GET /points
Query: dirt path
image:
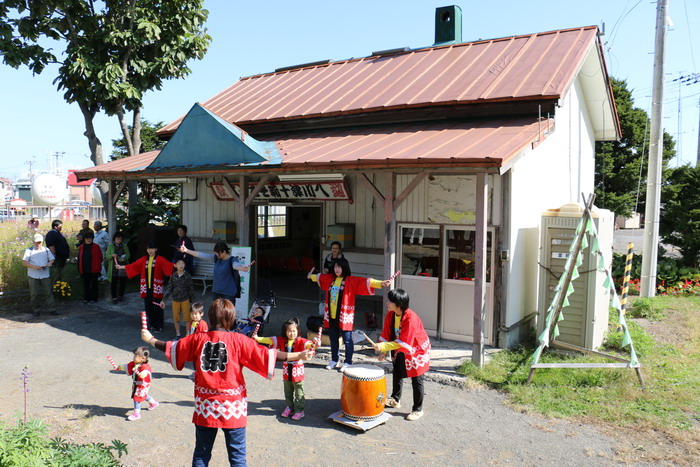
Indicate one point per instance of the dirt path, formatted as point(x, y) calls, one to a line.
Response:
point(74, 391)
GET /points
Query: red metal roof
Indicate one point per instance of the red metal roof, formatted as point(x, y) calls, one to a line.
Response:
point(119, 167)
point(474, 144)
point(490, 143)
point(73, 180)
point(540, 65)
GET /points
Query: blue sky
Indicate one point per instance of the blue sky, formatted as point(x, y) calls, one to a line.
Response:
point(249, 38)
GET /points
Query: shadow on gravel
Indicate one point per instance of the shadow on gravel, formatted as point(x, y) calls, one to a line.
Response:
point(95, 410)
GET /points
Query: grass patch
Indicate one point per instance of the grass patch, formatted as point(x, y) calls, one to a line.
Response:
point(671, 372)
point(644, 307)
point(28, 444)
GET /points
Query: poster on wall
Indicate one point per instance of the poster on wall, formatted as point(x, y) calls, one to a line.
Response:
point(244, 255)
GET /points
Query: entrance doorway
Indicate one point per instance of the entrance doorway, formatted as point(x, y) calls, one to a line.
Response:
point(287, 245)
point(437, 271)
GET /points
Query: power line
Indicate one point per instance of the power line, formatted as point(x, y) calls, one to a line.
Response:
point(690, 38)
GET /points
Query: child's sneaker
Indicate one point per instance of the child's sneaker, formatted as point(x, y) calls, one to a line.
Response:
point(298, 416)
point(345, 366)
point(135, 415)
point(153, 405)
point(285, 413)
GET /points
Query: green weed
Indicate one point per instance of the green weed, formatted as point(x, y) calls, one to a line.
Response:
point(612, 395)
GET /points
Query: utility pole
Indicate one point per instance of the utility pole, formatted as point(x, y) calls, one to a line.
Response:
point(30, 164)
point(697, 159)
point(653, 201)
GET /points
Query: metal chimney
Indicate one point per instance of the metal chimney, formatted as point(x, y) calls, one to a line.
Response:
point(448, 25)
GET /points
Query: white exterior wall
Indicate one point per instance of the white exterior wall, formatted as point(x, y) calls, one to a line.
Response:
point(555, 173)
point(199, 215)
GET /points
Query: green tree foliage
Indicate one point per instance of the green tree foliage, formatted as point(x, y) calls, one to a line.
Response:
point(149, 140)
point(618, 185)
point(114, 51)
point(680, 212)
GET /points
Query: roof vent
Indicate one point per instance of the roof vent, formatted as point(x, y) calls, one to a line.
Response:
point(303, 65)
point(448, 25)
point(384, 53)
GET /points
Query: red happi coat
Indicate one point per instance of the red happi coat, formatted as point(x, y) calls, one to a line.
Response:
point(139, 391)
point(161, 268)
point(413, 340)
point(352, 286)
point(200, 326)
point(220, 396)
point(300, 344)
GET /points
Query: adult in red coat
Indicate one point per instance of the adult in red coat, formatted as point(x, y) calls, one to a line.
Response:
point(152, 269)
point(404, 336)
point(89, 267)
point(220, 395)
point(339, 313)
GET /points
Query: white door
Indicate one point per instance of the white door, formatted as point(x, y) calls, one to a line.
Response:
point(458, 286)
point(419, 263)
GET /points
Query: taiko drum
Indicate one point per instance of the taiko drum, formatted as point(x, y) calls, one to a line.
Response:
point(363, 392)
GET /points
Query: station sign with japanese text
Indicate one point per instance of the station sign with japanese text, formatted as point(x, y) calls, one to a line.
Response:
point(316, 190)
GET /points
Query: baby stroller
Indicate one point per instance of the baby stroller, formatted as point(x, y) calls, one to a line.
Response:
point(255, 317)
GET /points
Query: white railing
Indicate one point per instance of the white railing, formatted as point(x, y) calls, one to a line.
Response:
point(47, 213)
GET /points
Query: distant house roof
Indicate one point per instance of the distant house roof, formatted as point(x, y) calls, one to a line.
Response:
point(73, 180)
point(511, 69)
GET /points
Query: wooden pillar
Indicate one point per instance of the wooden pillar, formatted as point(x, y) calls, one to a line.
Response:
point(110, 207)
point(480, 268)
point(243, 212)
point(389, 229)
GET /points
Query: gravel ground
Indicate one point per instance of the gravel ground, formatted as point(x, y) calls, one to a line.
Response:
point(74, 390)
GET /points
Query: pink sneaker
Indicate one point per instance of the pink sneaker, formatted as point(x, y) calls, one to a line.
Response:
point(135, 415)
point(153, 405)
point(298, 416)
point(285, 413)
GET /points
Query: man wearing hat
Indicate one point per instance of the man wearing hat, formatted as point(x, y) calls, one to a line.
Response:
point(38, 259)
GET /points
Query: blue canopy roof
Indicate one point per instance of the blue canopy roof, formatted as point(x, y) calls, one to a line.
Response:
point(205, 139)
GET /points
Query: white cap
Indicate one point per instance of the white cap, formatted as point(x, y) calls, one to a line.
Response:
point(38, 238)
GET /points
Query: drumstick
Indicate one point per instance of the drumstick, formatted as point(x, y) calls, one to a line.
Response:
point(394, 276)
point(318, 339)
point(255, 331)
point(368, 339)
point(114, 365)
point(251, 263)
point(313, 268)
point(144, 322)
point(158, 305)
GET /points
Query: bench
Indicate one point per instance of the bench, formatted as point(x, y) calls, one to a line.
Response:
point(203, 271)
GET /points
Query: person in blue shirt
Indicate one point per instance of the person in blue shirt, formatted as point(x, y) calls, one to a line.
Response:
point(227, 280)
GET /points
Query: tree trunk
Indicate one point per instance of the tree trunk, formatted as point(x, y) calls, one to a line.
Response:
point(133, 145)
point(89, 111)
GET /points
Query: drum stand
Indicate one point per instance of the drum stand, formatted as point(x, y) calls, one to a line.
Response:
point(362, 425)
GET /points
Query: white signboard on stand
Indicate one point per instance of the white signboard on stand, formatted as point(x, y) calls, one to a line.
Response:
point(244, 255)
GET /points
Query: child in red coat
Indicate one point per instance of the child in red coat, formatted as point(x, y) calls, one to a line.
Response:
point(140, 371)
point(289, 341)
point(89, 267)
point(405, 338)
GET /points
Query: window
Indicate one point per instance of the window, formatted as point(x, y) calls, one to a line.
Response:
point(272, 221)
point(420, 251)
